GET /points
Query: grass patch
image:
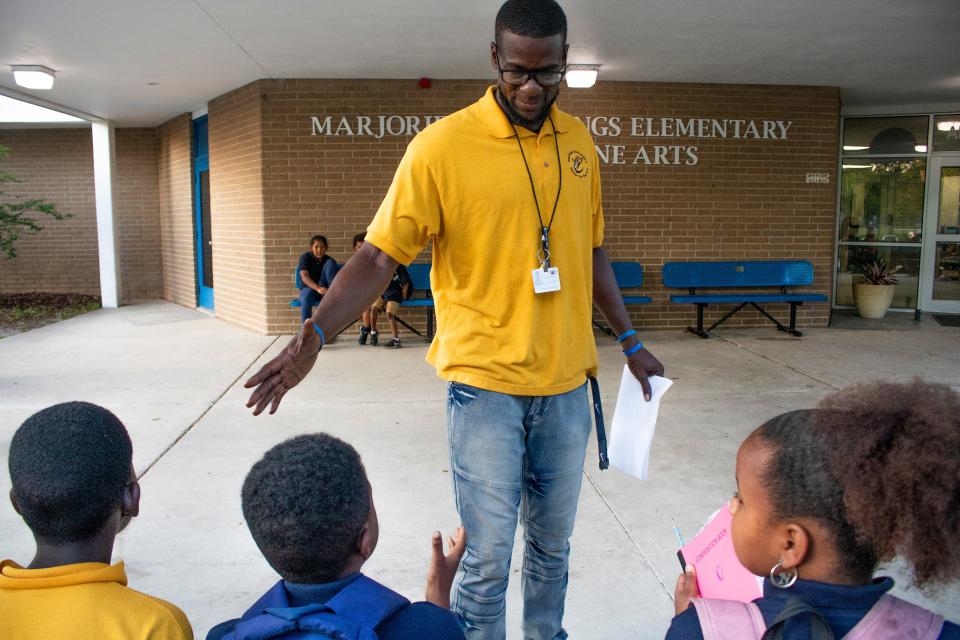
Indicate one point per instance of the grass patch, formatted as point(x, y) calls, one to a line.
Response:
point(21, 312)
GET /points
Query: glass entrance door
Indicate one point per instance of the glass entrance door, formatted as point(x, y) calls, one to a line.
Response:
point(941, 238)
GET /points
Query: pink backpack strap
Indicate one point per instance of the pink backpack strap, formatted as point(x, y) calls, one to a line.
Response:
point(721, 619)
point(892, 618)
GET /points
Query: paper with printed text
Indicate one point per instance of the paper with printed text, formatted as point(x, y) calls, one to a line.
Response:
point(634, 423)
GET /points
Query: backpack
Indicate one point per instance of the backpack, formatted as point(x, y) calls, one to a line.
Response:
point(352, 614)
point(889, 619)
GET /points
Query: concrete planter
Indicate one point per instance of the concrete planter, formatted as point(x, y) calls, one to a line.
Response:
point(872, 300)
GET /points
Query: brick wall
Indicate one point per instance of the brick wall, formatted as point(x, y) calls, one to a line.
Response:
point(138, 222)
point(240, 243)
point(273, 185)
point(332, 185)
point(744, 199)
point(57, 165)
point(175, 180)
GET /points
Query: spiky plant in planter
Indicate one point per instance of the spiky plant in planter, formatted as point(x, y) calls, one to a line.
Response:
point(874, 292)
point(879, 272)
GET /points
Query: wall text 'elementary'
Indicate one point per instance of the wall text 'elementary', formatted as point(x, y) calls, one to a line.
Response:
point(603, 127)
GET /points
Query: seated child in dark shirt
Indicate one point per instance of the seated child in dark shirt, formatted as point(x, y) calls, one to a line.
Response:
point(315, 273)
point(824, 496)
point(309, 507)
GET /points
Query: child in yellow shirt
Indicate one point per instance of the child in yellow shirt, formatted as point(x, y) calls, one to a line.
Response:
point(71, 466)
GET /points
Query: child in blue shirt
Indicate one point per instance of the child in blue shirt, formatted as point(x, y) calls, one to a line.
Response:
point(824, 496)
point(309, 507)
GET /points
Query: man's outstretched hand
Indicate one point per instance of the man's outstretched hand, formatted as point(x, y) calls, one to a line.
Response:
point(643, 364)
point(285, 371)
point(443, 567)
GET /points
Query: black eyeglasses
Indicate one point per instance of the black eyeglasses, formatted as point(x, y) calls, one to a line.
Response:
point(520, 77)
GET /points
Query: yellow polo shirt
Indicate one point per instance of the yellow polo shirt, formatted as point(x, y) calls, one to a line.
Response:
point(87, 601)
point(463, 185)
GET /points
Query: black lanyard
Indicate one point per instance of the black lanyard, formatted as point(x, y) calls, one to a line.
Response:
point(598, 420)
point(544, 230)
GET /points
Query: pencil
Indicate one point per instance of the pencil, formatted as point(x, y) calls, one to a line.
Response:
point(676, 530)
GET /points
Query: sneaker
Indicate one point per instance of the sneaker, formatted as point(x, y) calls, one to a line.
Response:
point(374, 338)
point(364, 332)
point(393, 344)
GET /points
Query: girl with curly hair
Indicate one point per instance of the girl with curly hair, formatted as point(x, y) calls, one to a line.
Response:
point(823, 497)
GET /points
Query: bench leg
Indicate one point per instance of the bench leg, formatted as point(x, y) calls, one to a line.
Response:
point(793, 319)
point(401, 321)
point(699, 330)
point(429, 325)
point(606, 330)
point(725, 318)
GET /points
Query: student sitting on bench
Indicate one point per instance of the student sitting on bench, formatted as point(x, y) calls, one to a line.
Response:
point(317, 271)
point(397, 291)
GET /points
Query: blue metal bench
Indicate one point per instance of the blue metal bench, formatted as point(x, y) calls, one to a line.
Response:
point(629, 275)
point(421, 282)
point(781, 274)
point(298, 283)
point(420, 279)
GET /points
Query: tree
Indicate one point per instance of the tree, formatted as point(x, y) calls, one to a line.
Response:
point(15, 218)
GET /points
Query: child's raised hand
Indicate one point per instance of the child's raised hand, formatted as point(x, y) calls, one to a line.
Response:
point(443, 568)
point(686, 589)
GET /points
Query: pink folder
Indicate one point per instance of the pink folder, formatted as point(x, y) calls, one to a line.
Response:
point(719, 573)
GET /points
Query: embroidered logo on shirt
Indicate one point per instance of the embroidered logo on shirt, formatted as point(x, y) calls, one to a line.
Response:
point(578, 164)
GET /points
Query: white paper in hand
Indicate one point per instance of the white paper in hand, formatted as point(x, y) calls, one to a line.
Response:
point(634, 422)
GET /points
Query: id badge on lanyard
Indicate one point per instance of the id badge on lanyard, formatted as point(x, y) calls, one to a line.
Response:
point(546, 279)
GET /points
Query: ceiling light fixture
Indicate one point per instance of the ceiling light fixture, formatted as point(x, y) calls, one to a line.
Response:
point(947, 125)
point(582, 76)
point(920, 148)
point(853, 147)
point(33, 76)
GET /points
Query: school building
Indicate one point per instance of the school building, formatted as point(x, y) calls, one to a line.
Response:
point(784, 132)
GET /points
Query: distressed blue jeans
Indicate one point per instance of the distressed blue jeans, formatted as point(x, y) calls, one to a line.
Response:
point(515, 455)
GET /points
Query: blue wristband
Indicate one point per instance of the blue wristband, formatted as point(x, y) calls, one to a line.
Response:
point(632, 350)
point(323, 338)
point(626, 334)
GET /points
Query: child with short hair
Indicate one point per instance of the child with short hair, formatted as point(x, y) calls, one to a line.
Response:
point(310, 510)
point(824, 496)
point(398, 290)
point(71, 466)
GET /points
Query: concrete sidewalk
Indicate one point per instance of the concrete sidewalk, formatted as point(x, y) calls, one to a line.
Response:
point(175, 378)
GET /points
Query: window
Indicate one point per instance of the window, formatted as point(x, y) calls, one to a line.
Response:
point(946, 133)
point(885, 136)
point(881, 201)
point(851, 260)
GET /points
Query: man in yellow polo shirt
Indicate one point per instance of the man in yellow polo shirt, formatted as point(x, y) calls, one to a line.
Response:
point(508, 191)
